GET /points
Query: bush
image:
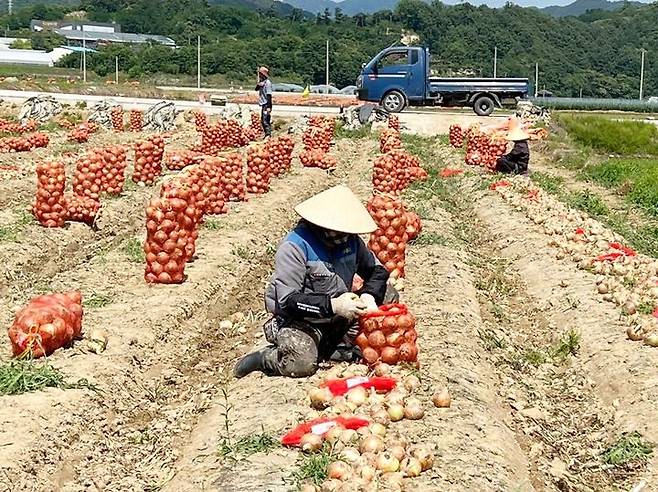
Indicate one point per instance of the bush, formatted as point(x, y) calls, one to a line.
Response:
point(610, 136)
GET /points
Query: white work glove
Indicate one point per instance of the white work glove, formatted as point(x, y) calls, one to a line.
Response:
point(348, 306)
point(369, 301)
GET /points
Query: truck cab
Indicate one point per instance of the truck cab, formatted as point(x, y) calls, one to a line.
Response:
point(400, 76)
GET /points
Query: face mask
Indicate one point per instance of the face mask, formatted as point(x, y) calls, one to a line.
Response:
point(335, 238)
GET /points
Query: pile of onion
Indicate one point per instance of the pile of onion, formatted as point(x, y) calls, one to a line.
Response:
point(200, 120)
point(79, 135)
point(14, 144)
point(394, 122)
point(89, 172)
point(456, 136)
point(258, 169)
point(114, 169)
point(317, 138)
point(166, 242)
point(82, 209)
point(180, 159)
point(414, 226)
point(38, 140)
point(389, 140)
point(280, 152)
point(189, 219)
point(49, 206)
point(326, 122)
point(256, 124)
point(206, 184)
point(317, 158)
point(389, 241)
point(116, 116)
point(385, 175)
point(223, 135)
point(148, 160)
point(234, 188)
point(136, 120)
point(8, 126)
point(249, 135)
point(483, 150)
point(388, 338)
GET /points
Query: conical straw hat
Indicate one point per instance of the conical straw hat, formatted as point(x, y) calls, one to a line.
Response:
point(337, 209)
point(517, 134)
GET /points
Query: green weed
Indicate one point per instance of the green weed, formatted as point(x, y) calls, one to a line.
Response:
point(430, 238)
point(248, 445)
point(588, 202)
point(646, 308)
point(213, 224)
point(611, 136)
point(490, 340)
point(567, 346)
point(535, 357)
point(313, 467)
point(365, 131)
point(548, 182)
point(134, 249)
point(241, 252)
point(25, 376)
point(628, 449)
point(95, 300)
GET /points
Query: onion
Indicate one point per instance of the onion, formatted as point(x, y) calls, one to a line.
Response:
point(350, 455)
point(339, 470)
point(635, 333)
point(398, 451)
point(333, 434)
point(424, 456)
point(348, 436)
point(366, 472)
point(311, 443)
point(357, 396)
point(320, 398)
point(412, 383)
point(393, 479)
point(411, 467)
point(441, 399)
point(380, 417)
point(371, 444)
point(331, 485)
point(387, 463)
point(413, 410)
point(377, 429)
point(396, 396)
point(308, 487)
point(382, 369)
point(652, 340)
point(395, 412)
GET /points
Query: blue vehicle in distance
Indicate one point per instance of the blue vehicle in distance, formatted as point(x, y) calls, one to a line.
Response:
point(400, 76)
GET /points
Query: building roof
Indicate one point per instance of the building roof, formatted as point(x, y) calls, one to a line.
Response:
point(32, 57)
point(74, 22)
point(115, 37)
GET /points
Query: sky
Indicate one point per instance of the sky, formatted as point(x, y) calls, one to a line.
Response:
point(523, 3)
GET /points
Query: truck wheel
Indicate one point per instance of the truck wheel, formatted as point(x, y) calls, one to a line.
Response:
point(483, 106)
point(394, 102)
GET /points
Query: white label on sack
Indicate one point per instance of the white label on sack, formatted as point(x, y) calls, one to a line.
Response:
point(323, 428)
point(355, 381)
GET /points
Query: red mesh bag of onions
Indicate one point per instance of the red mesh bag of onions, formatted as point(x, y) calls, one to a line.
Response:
point(320, 426)
point(47, 323)
point(388, 335)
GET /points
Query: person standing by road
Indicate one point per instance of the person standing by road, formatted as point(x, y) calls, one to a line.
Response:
point(264, 88)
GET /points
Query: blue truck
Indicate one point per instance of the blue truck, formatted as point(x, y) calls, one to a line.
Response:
point(399, 76)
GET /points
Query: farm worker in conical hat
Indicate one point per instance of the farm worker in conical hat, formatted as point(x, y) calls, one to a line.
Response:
point(310, 296)
point(264, 88)
point(516, 161)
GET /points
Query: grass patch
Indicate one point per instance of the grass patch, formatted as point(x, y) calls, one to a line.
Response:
point(611, 136)
point(630, 448)
point(535, 357)
point(241, 252)
point(213, 224)
point(548, 182)
point(588, 202)
point(96, 300)
point(365, 131)
point(134, 250)
point(248, 445)
point(490, 340)
point(430, 238)
point(10, 233)
point(637, 179)
point(313, 467)
point(568, 345)
point(26, 376)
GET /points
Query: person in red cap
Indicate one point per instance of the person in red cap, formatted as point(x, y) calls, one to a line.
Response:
point(264, 88)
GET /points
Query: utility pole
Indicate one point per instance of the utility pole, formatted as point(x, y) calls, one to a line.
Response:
point(198, 62)
point(84, 56)
point(495, 60)
point(10, 7)
point(642, 74)
point(581, 92)
point(116, 70)
point(536, 78)
point(327, 69)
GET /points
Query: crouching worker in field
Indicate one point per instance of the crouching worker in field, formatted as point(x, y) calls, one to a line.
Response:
point(309, 295)
point(516, 161)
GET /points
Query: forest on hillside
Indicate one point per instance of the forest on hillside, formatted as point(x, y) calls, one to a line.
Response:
point(598, 53)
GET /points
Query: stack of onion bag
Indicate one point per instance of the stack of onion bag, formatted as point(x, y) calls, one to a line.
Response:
point(388, 335)
point(47, 323)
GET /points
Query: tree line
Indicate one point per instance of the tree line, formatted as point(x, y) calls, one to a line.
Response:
point(597, 53)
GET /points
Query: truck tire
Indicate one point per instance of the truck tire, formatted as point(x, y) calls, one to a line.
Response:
point(394, 101)
point(483, 106)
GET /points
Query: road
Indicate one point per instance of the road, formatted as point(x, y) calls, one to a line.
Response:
point(422, 121)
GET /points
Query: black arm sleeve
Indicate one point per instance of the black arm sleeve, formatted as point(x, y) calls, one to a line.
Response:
point(269, 101)
point(374, 275)
point(309, 305)
point(520, 152)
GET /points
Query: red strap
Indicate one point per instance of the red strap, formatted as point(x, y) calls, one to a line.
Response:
point(499, 184)
point(388, 310)
point(339, 387)
point(321, 426)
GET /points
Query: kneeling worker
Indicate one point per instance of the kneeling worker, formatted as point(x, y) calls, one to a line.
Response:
point(516, 161)
point(309, 294)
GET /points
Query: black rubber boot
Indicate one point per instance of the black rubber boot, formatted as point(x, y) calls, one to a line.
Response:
point(346, 353)
point(252, 362)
